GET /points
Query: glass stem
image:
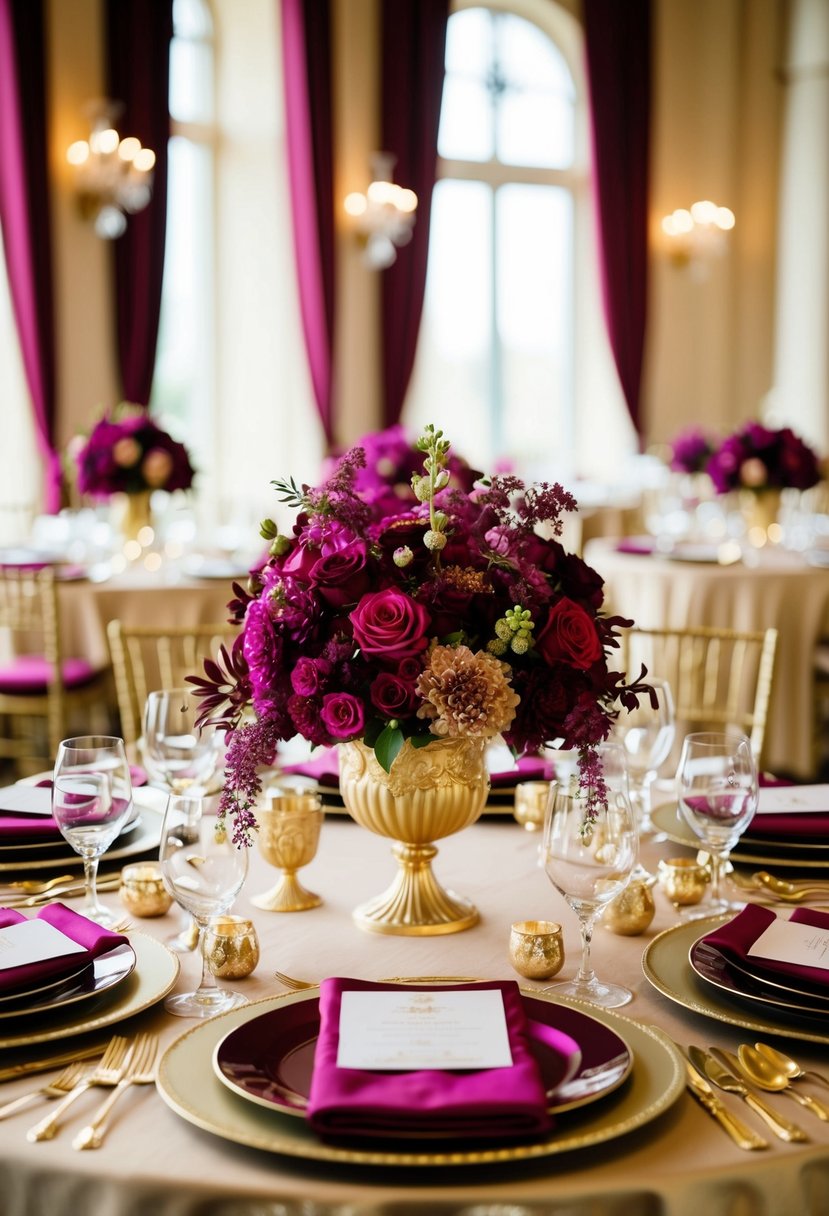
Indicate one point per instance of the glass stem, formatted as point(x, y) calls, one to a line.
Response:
point(207, 983)
point(586, 975)
point(716, 876)
point(90, 878)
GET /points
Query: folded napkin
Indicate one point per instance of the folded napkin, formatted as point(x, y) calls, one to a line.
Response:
point(642, 545)
point(94, 938)
point(18, 827)
point(496, 1102)
point(734, 940)
point(791, 826)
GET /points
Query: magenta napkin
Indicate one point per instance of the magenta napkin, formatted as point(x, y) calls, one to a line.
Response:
point(641, 545)
point(813, 825)
point(94, 938)
point(734, 939)
point(497, 1102)
point(19, 828)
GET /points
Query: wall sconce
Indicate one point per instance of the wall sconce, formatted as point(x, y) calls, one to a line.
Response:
point(698, 235)
point(113, 176)
point(384, 215)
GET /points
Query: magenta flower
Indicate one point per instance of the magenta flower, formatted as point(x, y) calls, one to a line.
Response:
point(389, 624)
point(342, 715)
point(758, 458)
point(127, 452)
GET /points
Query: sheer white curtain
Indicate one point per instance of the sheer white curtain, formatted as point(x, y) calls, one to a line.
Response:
point(21, 475)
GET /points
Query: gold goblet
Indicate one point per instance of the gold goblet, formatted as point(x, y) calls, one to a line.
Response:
point(289, 833)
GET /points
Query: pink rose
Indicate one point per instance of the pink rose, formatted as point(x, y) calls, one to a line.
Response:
point(157, 467)
point(390, 624)
point(341, 577)
point(392, 696)
point(569, 636)
point(342, 715)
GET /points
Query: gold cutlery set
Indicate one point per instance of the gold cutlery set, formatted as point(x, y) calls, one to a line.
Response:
point(123, 1063)
point(753, 1068)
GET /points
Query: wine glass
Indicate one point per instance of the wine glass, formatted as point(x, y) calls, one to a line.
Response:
point(717, 790)
point(647, 734)
point(203, 871)
point(180, 756)
point(91, 801)
point(589, 851)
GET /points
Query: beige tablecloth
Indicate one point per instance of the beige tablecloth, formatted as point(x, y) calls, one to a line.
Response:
point(782, 591)
point(153, 1163)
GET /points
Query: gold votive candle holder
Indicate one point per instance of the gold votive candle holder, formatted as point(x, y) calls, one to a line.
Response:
point(632, 910)
point(142, 890)
point(231, 947)
point(288, 835)
point(531, 804)
point(683, 880)
point(536, 948)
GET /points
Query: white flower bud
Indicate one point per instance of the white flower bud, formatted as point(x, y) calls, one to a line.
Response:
point(402, 556)
point(422, 488)
point(434, 540)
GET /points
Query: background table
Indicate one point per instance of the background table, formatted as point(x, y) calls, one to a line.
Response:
point(680, 1164)
point(782, 591)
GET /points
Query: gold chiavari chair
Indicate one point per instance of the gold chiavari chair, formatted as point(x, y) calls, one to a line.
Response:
point(145, 658)
point(719, 678)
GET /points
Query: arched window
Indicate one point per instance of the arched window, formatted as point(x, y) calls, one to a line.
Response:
point(511, 316)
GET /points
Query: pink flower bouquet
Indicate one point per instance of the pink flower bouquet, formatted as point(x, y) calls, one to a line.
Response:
point(127, 452)
point(758, 458)
point(453, 616)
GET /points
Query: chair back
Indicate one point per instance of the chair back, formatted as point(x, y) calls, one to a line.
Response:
point(29, 625)
point(720, 678)
point(144, 659)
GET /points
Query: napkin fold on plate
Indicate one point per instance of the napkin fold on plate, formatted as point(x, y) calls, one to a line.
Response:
point(95, 939)
point(18, 827)
point(735, 938)
point(491, 1103)
point(787, 825)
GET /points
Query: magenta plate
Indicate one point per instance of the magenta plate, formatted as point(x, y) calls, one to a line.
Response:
point(269, 1060)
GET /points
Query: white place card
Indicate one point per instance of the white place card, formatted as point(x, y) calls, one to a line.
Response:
point(793, 799)
point(408, 1030)
point(33, 941)
point(786, 941)
point(26, 800)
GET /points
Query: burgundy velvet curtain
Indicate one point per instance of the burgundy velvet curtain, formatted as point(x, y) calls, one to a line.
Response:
point(138, 35)
point(413, 45)
point(618, 46)
point(306, 48)
point(24, 215)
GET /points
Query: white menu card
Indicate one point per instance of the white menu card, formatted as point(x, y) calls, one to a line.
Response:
point(32, 941)
point(26, 800)
point(793, 799)
point(787, 941)
point(407, 1030)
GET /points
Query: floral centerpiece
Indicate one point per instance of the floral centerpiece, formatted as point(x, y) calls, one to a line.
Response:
point(127, 452)
point(453, 617)
point(758, 458)
point(691, 450)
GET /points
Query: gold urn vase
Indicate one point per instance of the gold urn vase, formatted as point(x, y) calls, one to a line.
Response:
point(431, 792)
point(760, 510)
point(133, 512)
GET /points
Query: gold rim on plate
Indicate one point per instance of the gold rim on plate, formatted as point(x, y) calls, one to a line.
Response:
point(188, 1085)
point(147, 835)
point(666, 818)
point(155, 974)
point(666, 967)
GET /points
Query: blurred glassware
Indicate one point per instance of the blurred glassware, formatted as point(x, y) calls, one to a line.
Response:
point(531, 803)
point(647, 734)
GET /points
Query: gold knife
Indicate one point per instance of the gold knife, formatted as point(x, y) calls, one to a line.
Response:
point(742, 1135)
point(13, 1071)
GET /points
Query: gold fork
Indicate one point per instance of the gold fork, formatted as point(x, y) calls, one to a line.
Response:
point(139, 1071)
point(61, 1085)
point(31, 887)
point(107, 1072)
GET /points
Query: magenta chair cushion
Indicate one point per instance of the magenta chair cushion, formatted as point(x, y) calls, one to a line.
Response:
point(29, 674)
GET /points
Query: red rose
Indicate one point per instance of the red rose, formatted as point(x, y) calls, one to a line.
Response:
point(393, 696)
point(341, 577)
point(390, 624)
point(569, 636)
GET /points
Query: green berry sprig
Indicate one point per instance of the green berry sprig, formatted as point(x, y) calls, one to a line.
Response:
point(513, 631)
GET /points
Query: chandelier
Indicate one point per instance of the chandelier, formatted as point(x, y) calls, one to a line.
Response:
point(113, 175)
point(384, 216)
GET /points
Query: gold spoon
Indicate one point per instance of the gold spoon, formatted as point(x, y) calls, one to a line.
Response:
point(759, 1069)
point(789, 1066)
point(790, 891)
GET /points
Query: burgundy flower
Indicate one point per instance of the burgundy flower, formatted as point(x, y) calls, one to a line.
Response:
point(341, 577)
point(342, 715)
point(392, 696)
point(390, 624)
point(569, 635)
point(309, 676)
point(127, 452)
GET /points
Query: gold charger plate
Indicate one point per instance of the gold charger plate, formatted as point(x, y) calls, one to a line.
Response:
point(144, 837)
point(188, 1085)
point(156, 971)
point(666, 818)
point(666, 966)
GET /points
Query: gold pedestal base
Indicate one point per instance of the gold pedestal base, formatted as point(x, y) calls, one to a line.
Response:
point(416, 905)
point(288, 895)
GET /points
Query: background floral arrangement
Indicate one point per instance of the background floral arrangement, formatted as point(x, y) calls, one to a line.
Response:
point(691, 451)
point(758, 458)
point(451, 617)
point(127, 452)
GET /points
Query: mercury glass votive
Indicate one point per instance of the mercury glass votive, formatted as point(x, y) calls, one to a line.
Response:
point(531, 804)
point(231, 947)
point(536, 948)
point(632, 910)
point(683, 880)
point(142, 890)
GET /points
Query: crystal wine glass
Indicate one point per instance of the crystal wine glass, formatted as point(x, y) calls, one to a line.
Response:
point(589, 852)
point(91, 801)
point(203, 871)
point(180, 756)
point(647, 734)
point(717, 789)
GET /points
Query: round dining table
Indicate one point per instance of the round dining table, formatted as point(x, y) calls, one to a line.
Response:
point(691, 587)
point(186, 1151)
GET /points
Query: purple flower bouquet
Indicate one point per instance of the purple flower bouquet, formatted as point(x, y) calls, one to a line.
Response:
point(448, 615)
point(691, 451)
point(128, 453)
point(758, 458)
